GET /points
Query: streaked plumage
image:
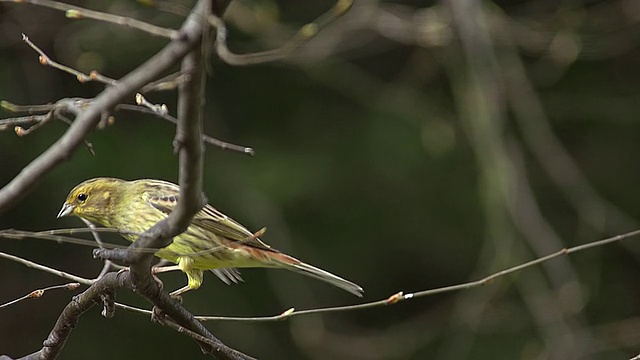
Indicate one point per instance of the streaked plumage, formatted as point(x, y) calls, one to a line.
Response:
point(213, 241)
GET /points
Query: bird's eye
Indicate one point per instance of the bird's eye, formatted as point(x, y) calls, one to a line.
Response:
point(82, 197)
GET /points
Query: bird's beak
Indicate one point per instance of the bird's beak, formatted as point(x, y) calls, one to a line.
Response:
point(67, 209)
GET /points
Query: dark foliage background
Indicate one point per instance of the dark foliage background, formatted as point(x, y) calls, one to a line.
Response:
point(370, 163)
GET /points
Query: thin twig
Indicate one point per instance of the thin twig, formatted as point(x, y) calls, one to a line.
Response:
point(44, 59)
point(393, 299)
point(36, 294)
point(17, 122)
point(76, 12)
point(164, 320)
point(168, 7)
point(155, 108)
point(400, 296)
point(208, 139)
point(53, 235)
point(160, 111)
point(26, 108)
point(96, 236)
point(47, 269)
point(42, 120)
point(65, 275)
point(169, 82)
point(36, 121)
point(306, 33)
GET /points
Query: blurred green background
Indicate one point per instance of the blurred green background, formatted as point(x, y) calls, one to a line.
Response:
point(411, 145)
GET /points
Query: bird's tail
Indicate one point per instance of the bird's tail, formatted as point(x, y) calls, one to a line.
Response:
point(293, 264)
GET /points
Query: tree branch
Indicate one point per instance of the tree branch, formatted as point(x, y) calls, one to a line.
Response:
point(22, 184)
point(72, 312)
point(76, 12)
point(188, 143)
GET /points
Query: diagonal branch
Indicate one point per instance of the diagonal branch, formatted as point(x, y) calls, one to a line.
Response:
point(86, 121)
point(58, 336)
point(76, 12)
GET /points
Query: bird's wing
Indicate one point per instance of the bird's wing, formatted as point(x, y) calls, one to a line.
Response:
point(213, 220)
point(209, 219)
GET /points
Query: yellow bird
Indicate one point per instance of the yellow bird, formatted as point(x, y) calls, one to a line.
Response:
point(213, 241)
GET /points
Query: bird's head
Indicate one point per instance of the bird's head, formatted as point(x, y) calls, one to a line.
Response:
point(93, 199)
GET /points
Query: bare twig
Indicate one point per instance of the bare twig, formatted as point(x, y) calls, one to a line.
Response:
point(155, 108)
point(26, 108)
point(96, 236)
point(306, 33)
point(161, 111)
point(50, 270)
point(47, 61)
point(169, 82)
point(167, 6)
point(36, 294)
point(401, 296)
point(76, 12)
point(391, 300)
point(55, 111)
point(62, 106)
point(54, 235)
point(17, 122)
point(65, 275)
point(208, 139)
